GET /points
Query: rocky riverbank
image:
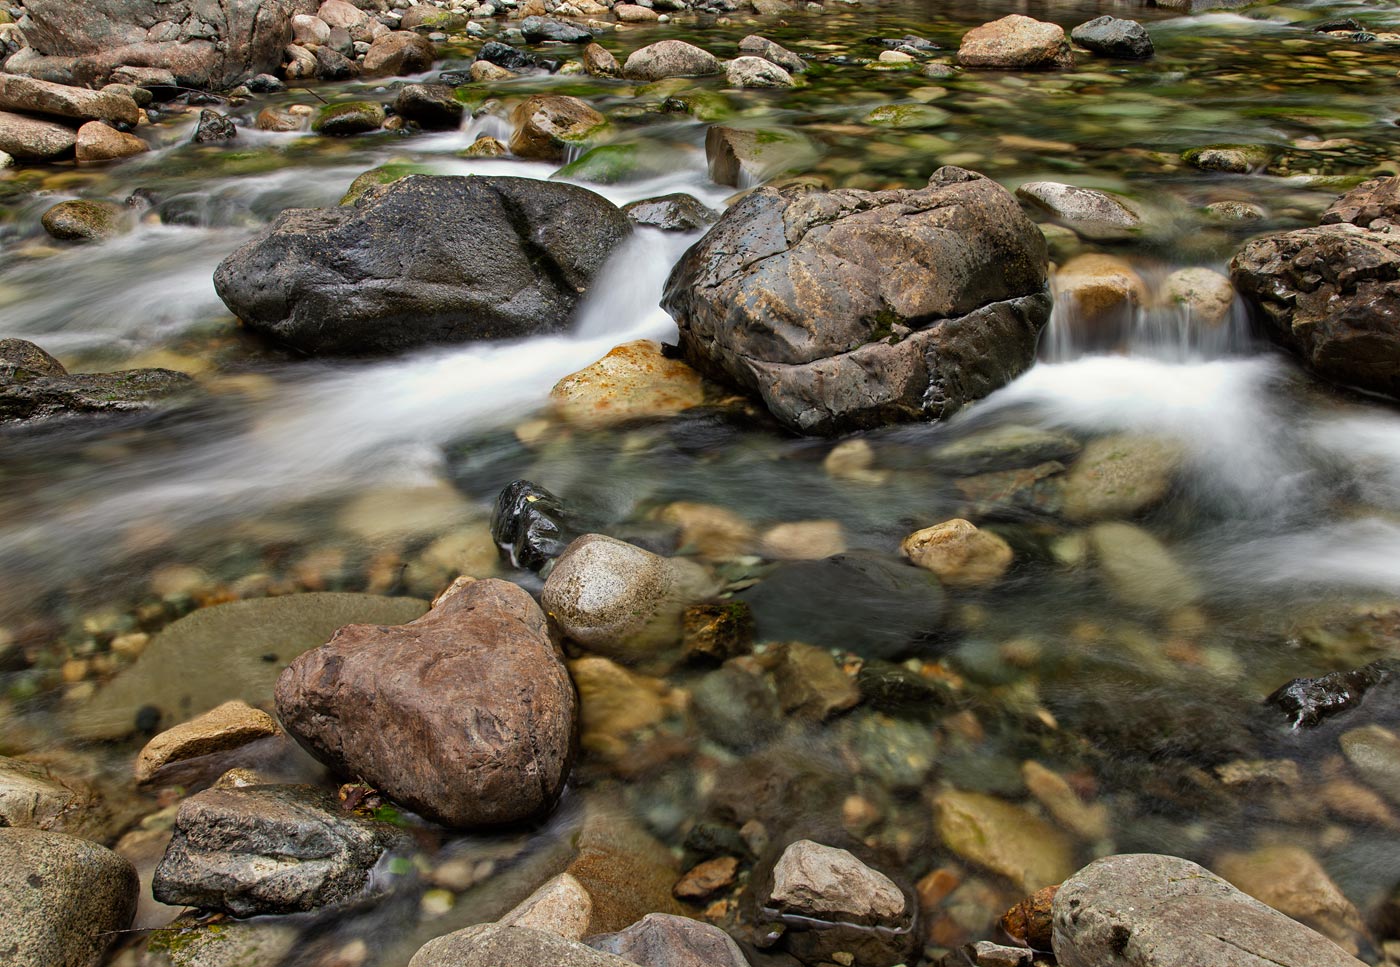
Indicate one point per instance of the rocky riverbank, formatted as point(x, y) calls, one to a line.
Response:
point(959, 580)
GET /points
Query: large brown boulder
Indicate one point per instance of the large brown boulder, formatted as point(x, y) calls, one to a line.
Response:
point(466, 716)
point(424, 260)
point(204, 44)
point(1331, 294)
point(546, 125)
point(30, 96)
point(1016, 42)
point(850, 308)
point(30, 139)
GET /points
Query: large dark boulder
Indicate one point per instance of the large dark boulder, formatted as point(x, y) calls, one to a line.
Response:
point(846, 309)
point(1331, 294)
point(203, 44)
point(421, 261)
point(466, 716)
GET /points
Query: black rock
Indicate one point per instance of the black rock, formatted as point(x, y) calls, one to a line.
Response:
point(908, 40)
point(513, 58)
point(454, 78)
point(1113, 37)
point(737, 709)
point(537, 29)
point(1346, 25)
point(896, 690)
point(432, 106)
point(214, 127)
point(877, 607)
point(678, 212)
point(527, 524)
point(1308, 701)
point(265, 84)
point(426, 260)
point(332, 65)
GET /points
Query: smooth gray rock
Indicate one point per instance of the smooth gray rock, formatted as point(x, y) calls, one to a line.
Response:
point(669, 58)
point(768, 50)
point(270, 849)
point(678, 212)
point(64, 899)
point(1148, 910)
point(847, 309)
point(494, 945)
point(422, 261)
point(666, 940)
point(756, 72)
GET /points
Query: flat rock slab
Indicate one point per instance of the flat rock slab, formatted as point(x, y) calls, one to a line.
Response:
point(230, 651)
point(1147, 910)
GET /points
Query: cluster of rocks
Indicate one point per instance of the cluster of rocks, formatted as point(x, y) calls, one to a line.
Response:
point(1018, 42)
point(339, 41)
point(41, 121)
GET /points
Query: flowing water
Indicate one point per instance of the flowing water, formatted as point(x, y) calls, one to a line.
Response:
point(1283, 510)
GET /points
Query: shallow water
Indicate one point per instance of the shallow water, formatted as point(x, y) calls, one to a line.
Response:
point(299, 475)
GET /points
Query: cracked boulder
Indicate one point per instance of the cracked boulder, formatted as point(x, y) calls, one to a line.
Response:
point(1331, 294)
point(1147, 910)
point(848, 309)
point(466, 716)
point(270, 849)
point(423, 261)
point(205, 45)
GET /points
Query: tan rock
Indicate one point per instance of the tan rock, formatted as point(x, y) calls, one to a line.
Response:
point(804, 540)
point(707, 878)
point(32, 96)
point(615, 704)
point(961, 554)
point(854, 460)
point(229, 726)
point(626, 871)
point(546, 125)
point(1098, 292)
point(813, 880)
point(1204, 295)
point(710, 531)
point(1088, 821)
point(810, 684)
point(1120, 476)
point(1293, 882)
point(271, 119)
point(562, 906)
point(632, 382)
point(484, 70)
point(599, 62)
point(631, 13)
point(99, 142)
point(1003, 838)
point(1015, 41)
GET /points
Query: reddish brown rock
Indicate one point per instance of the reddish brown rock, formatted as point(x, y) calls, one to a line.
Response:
point(466, 715)
point(1029, 921)
point(546, 124)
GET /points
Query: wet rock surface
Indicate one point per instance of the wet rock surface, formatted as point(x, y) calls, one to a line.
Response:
point(33, 395)
point(466, 716)
point(773, 298)
point(425, 260)
point(1114, 37)
point(270, 849)
point(528, 524)
point(1331, 294)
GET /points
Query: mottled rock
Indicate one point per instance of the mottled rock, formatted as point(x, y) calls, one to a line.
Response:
point(30, 96)
point(1005, 447)
point(30, 139)
point(496, 945)
point(538, 29)
point(618, 600)
point(1093, 214)
point(399, 52)
point(810, 684)
point(82, 395)
point(98, 142)
point(768, 50)
point(633, 13)
point(960, 553)
point(742, 157)
point(756, 72)
point(466, 715)
point(678, 212)
point(349, 118)
point(669, 58)
point(706, 878)
point(1374, 752)
point(35, 796)
point(599, 61)
point(799, 297)
point(228, 726)
point(83, 221)
point(270, 849)
point(1205, 296)
point(547, 125)
point(1145, 910)
point(1120, 476)
point(214, 127)
point(1235, 159)
point(66, 899)
point(1331, 294)
point(635, 381)
point(666, 940)
point(1015, 42)
point(1030, 921)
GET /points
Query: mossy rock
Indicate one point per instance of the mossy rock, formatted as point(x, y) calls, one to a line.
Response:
point(83, 221)
point(611, 164)
point(908, 116)
point(352, 117)
point(383, 175)
point(1230, 158)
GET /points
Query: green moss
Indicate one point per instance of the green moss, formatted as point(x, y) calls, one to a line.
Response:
point(383, 175)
